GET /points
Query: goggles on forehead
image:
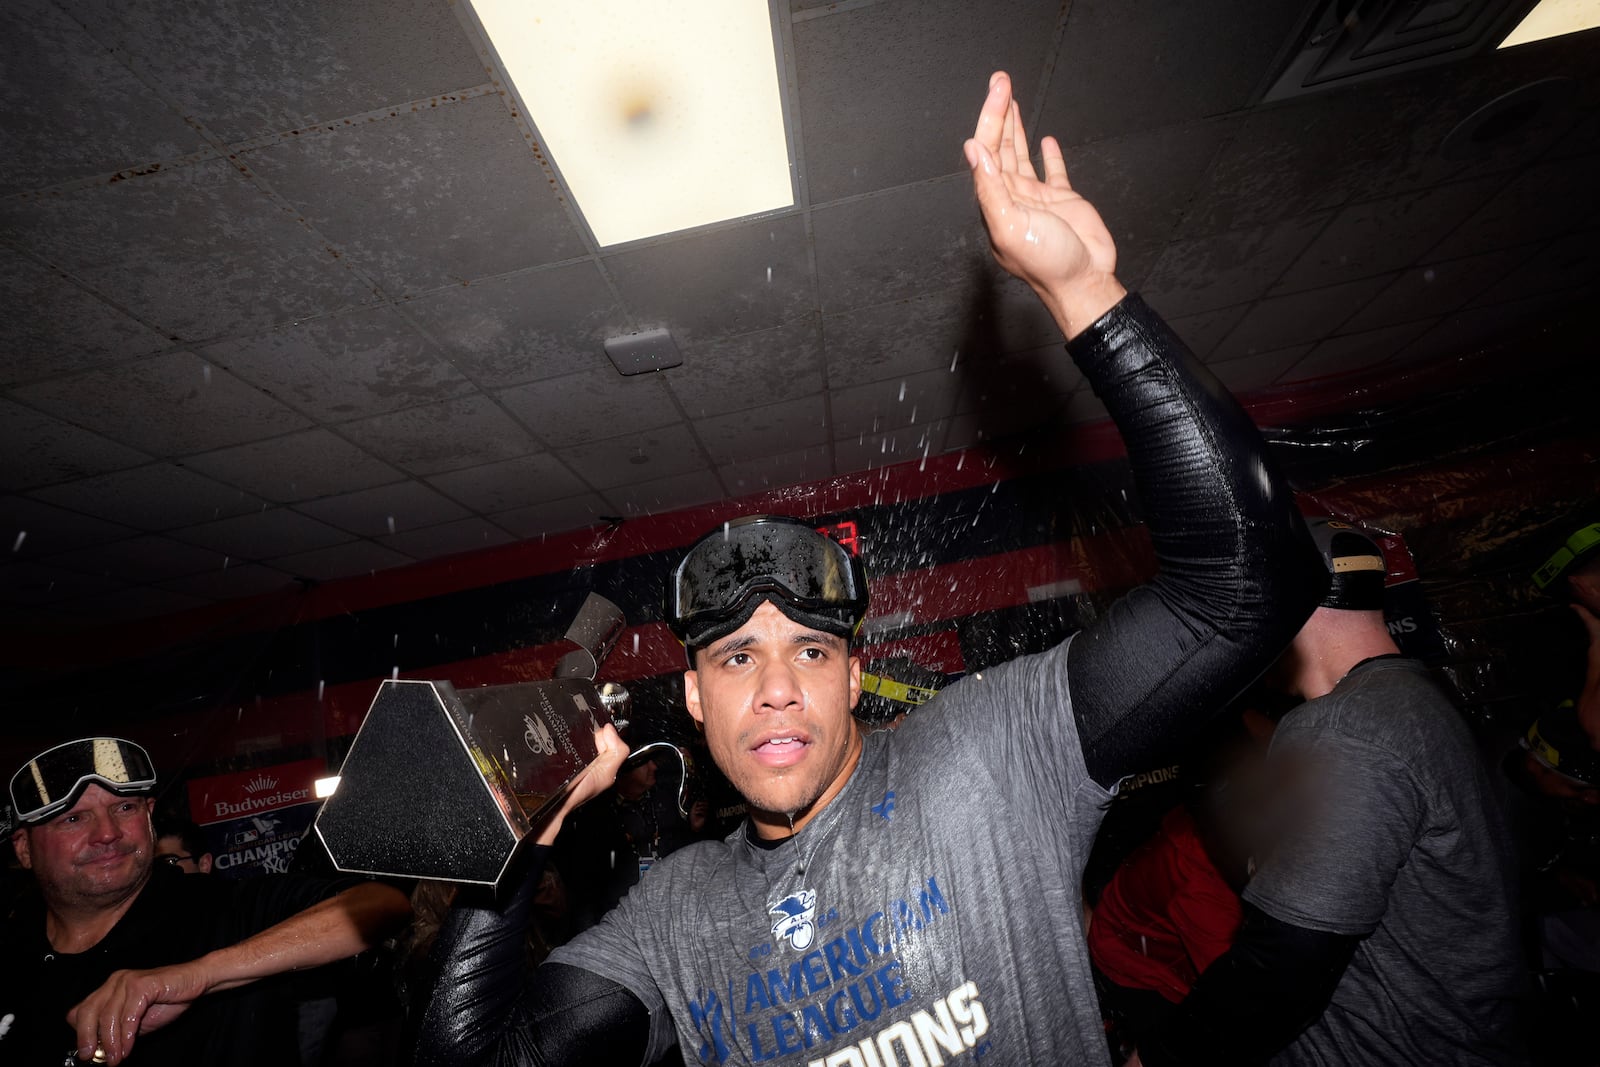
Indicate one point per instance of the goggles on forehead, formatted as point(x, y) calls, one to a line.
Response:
point(808, 575)
point(54, 779)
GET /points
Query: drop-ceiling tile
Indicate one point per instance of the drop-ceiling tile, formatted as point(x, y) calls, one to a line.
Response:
point(1032, 383)
point(765, 431)
point(262, 535)
point(895, 245)
point(1382, 235)
point(357, 558)
point(555, 516)
point(524, 326)
point(116, 121)
point(27, 582)
point(718, 283)
point(430, 198)
point(636, 457)
point(1252, 373)
point(143, 602)
point(202, 407)
point(388, 509)
point(892, 404)
point(869, 451)
point(139, 559)
point(775, 472)
point(65, 329)
point(511, 483)
point(665, 494)
point(231, 582)
point(30, 528)
point(756, 368)
point(1430, 290)
point(1206, 273)
point(1542, 202)
point(298, 466)
point(1354, 351)
point(195, 251)
point(160, 496)
point(1131, 66)
point(887, 96)
point(1281, 321)
point(1202, 332)
point(1562, 264)
point(902, 337)
point(241, 74)
point(447, 539)
point(1009, 318)
point(591, 405)
point(38, 449)
point(465, 432)
point(344, 366)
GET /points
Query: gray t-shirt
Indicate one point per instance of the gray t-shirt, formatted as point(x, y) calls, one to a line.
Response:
point(1395, 834)
point(930, 912)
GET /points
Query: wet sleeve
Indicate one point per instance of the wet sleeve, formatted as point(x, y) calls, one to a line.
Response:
point(1256, 998)
point(486, 1006)
point(1237, 573)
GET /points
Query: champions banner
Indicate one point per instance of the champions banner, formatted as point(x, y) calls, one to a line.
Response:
point(253, 820)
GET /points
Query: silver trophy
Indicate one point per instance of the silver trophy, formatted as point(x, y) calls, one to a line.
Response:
point(444, 783)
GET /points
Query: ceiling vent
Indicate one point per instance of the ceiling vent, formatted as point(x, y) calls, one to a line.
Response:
point(1343, 42)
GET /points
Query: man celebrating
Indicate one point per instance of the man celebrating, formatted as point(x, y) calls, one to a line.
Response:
point(866, 915)
point(117, 946)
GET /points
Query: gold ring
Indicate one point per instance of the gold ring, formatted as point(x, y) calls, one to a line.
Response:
point(99, 1055)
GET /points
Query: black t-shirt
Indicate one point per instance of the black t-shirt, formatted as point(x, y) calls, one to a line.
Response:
point(176, 917)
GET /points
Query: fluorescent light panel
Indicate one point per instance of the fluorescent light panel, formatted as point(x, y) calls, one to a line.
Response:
point(1554, 18)
point(660, 115)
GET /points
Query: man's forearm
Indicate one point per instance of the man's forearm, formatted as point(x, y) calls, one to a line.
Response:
point(330, 930)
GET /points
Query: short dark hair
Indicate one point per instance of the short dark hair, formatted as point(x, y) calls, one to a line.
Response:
point(193, 841)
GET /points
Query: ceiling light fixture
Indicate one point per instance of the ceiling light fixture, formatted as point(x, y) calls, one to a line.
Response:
point(658, 116)
point(1554, 18)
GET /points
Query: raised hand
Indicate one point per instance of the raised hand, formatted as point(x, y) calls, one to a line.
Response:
point(1042, 231)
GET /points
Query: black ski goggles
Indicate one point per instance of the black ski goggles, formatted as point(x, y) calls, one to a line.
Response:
point(54, 779)
point(808, 575)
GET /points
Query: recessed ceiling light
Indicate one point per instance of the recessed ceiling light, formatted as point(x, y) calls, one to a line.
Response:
point(1554, 18)
point(658, 116)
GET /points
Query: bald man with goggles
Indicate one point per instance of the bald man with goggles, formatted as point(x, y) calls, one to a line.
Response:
point(913, 896)
point(123, 960)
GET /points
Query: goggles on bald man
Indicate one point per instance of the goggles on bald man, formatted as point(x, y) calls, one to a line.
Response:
point(54, 779)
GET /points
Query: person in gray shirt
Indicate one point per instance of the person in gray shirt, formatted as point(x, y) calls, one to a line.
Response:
point(913, 896)
point(1380, 921)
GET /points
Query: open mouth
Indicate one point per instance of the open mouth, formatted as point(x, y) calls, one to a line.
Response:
point(782, 750)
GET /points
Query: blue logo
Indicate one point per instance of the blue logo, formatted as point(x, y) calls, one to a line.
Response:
point(886, 806)
point(795, 914)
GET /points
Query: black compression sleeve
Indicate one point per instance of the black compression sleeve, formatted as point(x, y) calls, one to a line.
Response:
point(1255, 998)
point(486, 1007)
point(1237, 570)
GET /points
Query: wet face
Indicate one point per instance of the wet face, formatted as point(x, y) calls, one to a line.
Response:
point(95, 854)
point(774, 698)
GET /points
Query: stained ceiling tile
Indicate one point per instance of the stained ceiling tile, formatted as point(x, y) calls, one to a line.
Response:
point(874, 451)
point(891, 404)
point(717, 377)
point(65, 329)
point(348, 365)
point(511, 483)
point(591, 405)
point(30, 528)
point(160, 496)
point(341, 561)
point(887, 97)
point(310, 61)
point(902, 337)
point(38, 449)
point(774, 472)
point(201, 407)
point(555, 516)
point(662, 495)
point(526, 326)
point(464, 432)
point(718, 283)
point(430, 198)
point(1206, 273)
point(297, 466)
point(447, 539)
point(262, 535)
point(636, 457)
point(882, 248)
point(768, 430)
point(110, 119)
point(387, 509)
point(195, 251)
